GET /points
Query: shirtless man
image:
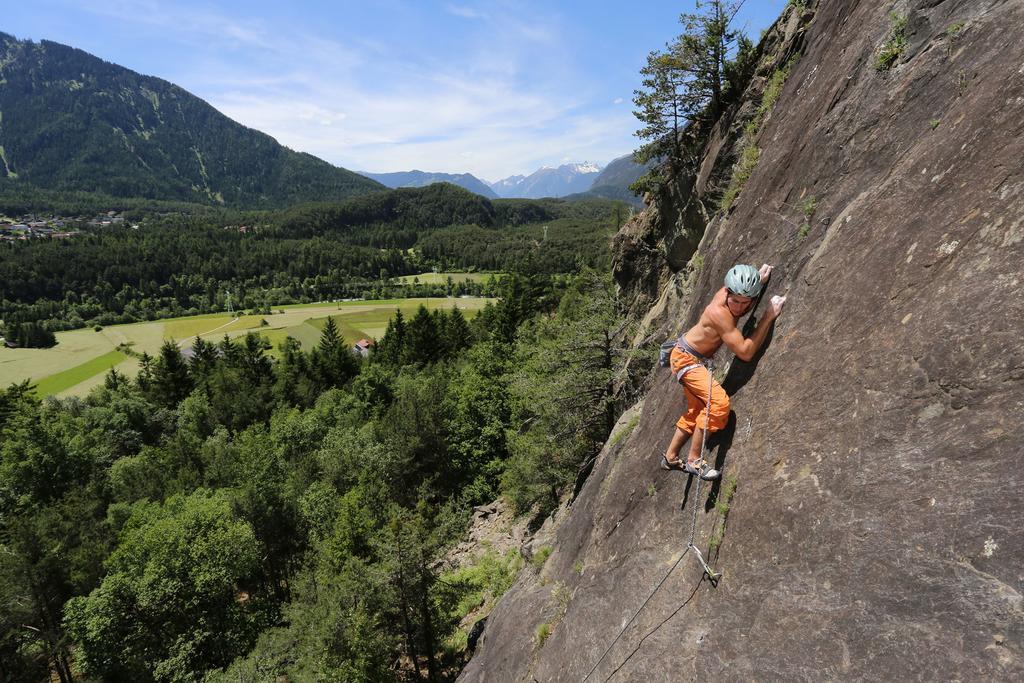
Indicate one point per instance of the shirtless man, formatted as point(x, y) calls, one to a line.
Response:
point(717, 325)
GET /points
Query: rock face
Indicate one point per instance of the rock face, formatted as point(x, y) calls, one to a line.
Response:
point(875, 530)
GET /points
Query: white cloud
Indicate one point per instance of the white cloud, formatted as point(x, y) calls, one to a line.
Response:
point(464, 11)
point(500, 106)
point(617, 100)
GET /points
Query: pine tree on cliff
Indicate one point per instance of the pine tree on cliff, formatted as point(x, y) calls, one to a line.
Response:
point(688, 82)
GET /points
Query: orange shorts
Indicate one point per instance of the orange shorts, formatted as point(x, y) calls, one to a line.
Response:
point(695, 386)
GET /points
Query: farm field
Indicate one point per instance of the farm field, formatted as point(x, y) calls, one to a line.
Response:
point(82, 357)
point(441, 278)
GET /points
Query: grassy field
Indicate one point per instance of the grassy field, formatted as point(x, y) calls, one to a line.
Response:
point(441, 278)
point(81, 357)
point(54, 384)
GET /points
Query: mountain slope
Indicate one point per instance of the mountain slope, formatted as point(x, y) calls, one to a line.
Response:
point(614, 180)
point(549, 182)
point(70, 121)
point(874, 532)
point(423, 178)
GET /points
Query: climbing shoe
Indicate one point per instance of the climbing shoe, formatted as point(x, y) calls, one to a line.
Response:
point(667, 464)
point(703, 470)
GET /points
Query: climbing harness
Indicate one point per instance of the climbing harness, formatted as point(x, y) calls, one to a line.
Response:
point(712, 575)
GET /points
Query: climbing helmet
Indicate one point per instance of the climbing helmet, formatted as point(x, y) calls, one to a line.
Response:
point(743, 280)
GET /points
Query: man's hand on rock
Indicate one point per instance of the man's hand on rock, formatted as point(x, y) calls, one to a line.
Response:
point(775, 306)
point(765, 272)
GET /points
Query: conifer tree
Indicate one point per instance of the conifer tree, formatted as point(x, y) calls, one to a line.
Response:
point(389, 348)
point(334, 361)
point(687, 83)
point(455, 333)
point(204, 358)
point(171, 381)
point(423, 341)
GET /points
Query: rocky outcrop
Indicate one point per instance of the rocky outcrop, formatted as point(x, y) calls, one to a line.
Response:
point(875, 446)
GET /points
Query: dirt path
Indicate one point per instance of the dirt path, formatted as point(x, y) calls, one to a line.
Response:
point(182, 343)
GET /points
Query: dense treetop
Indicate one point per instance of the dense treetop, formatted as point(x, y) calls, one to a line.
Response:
point(234, 517)
point(182, 262)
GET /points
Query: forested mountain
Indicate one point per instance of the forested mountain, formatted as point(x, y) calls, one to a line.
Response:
point(180, 263)
point(423, 178)
point(621, 171)
point(70, 121)
point(613, 182)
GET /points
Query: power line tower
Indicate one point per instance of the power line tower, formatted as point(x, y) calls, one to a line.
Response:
point(227, 299)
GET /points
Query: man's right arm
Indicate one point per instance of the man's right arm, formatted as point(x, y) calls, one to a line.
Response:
point(746, 349)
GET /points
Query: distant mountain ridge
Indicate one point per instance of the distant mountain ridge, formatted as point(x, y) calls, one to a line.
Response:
point(70, 121)
point(549, 182)
point(423, 178)
point(613, 182)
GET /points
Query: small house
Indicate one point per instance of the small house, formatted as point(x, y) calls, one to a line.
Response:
point(362, 347)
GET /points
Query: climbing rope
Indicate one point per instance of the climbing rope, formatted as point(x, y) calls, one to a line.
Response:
point(693, 530)
point(635, 615)
point(696, 496)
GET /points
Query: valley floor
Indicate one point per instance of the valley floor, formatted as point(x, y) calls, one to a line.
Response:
point(82, 357)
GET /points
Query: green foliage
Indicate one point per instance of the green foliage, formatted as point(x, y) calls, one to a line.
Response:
point(540, 635)
point(723, 503)
point(689, 82)
point(626, 430)
point(895, 42)
point(180, 264)
point(561, 394)
point(170, 605)
point(807, 208)
point(477, 410)
point(334, 629)
point(228, 516)
point(749, 153)
point(29, 335)
point(577, 567)
point(773, 90)
point(477, 587)
point(541, 556)
point(650, 182)
point(934, 123)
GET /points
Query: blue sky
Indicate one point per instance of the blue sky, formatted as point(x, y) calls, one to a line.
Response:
point(489, 88)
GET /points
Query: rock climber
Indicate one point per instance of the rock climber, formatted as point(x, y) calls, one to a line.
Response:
point(693, 350)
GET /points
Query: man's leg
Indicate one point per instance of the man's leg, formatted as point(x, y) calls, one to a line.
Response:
point(678, 439)
point(684, 426)
point(697, 381)
point(695, 446)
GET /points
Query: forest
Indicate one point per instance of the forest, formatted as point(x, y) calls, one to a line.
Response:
point(185, 262)
point(231, 517)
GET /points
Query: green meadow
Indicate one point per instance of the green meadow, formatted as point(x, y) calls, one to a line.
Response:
point(82, 357)
point(441, 278)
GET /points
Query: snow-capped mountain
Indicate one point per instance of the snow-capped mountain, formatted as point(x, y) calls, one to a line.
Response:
point(549, 182)
point(424, 178)
point(507, 186)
